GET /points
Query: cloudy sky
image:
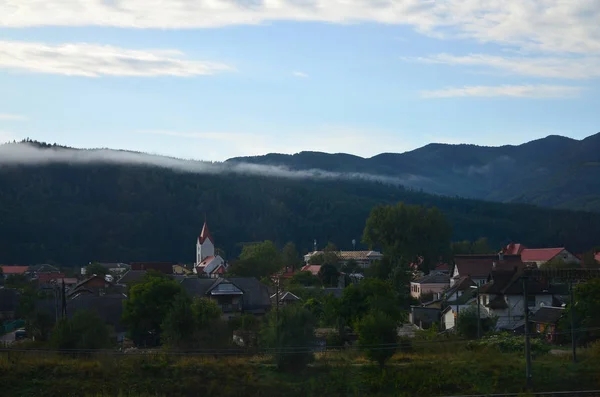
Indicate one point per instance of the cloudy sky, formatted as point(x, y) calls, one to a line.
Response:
point(212, 79)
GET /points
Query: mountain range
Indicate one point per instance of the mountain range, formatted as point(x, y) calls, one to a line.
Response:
point(555, 171)
point(69, 206)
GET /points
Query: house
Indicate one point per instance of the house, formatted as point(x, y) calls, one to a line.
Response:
point(114, 268)
point(47, 278)
point(285, 299)
point(478, 267)
point(161, 267)
point(207, 263)
point(11, 270)
point(9, 301)
point(94, 285)
point(44, 268)
point(540, 256)
point(234, 295)
point(502, 297)
point(363, 258)
point(425, 316)
point(181, 270)
point(545, 321)
point(442, 268)
point(434, 283)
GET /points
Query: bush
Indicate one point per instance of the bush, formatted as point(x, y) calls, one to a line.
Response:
point(378, 335)
point(508, 343)
point(84, 331)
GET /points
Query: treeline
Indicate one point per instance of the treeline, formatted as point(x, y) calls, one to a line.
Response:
point(73, 214)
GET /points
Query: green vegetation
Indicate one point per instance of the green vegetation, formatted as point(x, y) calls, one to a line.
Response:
point(83, 331)
point(466, 324)
point(378, 336)
point(433, 369)
point(258, 260)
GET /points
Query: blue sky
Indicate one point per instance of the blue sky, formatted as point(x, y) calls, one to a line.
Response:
point(212, 80)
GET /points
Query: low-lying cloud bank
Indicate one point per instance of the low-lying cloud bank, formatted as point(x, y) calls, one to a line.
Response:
point(29, 154)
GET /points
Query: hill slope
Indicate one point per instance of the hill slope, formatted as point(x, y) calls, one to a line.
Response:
point(75, 206)
point(555, 171)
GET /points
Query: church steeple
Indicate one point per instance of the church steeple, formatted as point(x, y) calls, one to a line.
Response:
point(205, 245)
point(205, 234)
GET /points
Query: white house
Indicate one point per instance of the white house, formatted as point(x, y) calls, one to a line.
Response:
point(503, 298)
point(363, 258)
point(207, 263)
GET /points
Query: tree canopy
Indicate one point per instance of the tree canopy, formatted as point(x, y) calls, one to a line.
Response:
point(258, 260)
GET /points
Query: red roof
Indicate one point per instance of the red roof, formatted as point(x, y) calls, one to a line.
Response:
point(205, 234)
point(442, 267)
point(14, 269)
point(597, 257)
point(480, 266)
point(314, 269)
point(206, 261)
point(514, 249)
point(540, 254)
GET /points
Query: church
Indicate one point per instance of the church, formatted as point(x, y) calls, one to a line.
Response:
point(207, 263)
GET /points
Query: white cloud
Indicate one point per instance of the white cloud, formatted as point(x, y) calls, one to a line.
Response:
point(8, 116)
point(91, 60)
point(548, 67)
point(300, 74)
point(517, 91)
point(547, 25)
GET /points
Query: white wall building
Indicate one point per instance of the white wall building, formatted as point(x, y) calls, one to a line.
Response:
point(363, 258)
point(207, 263)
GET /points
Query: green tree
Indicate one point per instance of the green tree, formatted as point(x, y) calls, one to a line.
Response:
point(17, 281)
point(351, 267)
point(258, 260)
point(291, 334)
point(407, 232)
point(587, 307)
point(378, 336)
point(291, 257)
point(466, 323)
point(558, 263)
point(39, 325)
point(370, 294)
point(187, 323)
point(85, 330)
point(147, 307)
point(328, 275)
point(306, 279)
point(589, 260)
point(95, 268)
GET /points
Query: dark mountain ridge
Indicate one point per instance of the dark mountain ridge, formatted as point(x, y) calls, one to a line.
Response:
point(555, 171)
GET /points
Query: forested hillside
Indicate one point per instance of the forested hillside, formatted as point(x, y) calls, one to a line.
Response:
point(73, 213)
point(555, 171)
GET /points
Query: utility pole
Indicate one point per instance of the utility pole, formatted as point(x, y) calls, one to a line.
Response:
point(63, 301)
point(527, 342)
point(277, 310)
point(478, 313)
point(573, 341)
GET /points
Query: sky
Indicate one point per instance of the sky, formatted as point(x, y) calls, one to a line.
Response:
point(210, 79)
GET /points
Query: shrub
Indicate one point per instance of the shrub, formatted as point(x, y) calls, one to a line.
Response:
point(508, 343)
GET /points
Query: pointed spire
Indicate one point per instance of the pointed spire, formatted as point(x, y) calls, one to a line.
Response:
point(205, 234)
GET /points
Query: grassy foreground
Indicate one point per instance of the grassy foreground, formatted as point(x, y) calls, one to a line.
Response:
point(333, 374)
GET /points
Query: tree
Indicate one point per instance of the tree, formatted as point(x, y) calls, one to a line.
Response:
point(466, 323)
point(306, 279)
point(39, 325)
point(587, 307)
point(290, 333)
point(378, 336)
point(147, 307)
point(370, 294)
point(291, 257)
point(589, 260)
point(328, 275)
point(558, 263)
point(84, 331)
point(179, 326)
point(95, 268)
point(258, 260)
point(186, 324)
point(407, 232)
point(351, 267)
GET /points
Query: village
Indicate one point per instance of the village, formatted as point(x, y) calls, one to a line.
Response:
point(490, 285)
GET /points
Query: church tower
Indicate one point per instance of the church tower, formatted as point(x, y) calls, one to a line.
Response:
point(205, 246)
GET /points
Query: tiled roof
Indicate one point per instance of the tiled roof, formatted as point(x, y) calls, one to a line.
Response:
point(356, 255)
point(314, 269)
point(540, 254)
point(597, 257)
point(205, 234)
point(547, 315)
point(14, 269)
point(45, 268)
point(480, 266)
point(510, 283)
point(44, 278)
point(132, 276)
point(434, 278)
point(442, 267)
